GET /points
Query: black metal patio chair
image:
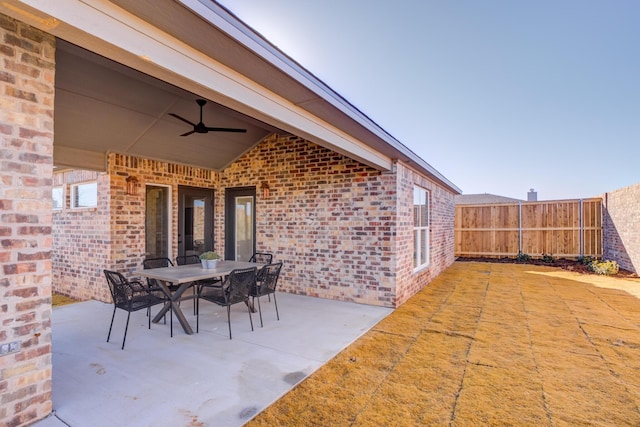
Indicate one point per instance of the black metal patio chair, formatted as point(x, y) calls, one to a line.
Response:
point(266, 286)
point(150, 263)
point(235, 289)
point(187, 259)
point(261, 257)
point(195, 259)
point(130, 295)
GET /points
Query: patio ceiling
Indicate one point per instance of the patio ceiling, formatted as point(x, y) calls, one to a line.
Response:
point(102, 106)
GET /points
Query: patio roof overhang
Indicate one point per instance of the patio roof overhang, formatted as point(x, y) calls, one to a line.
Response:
point(164, 55)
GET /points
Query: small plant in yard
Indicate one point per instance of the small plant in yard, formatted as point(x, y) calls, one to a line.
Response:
point(523, 257)
point(605, 268)
point(209, 255)
point(586, 260)
point(548, 258)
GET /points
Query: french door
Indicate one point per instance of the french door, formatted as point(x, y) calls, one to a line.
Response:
point(195, 220)
point(240, 223)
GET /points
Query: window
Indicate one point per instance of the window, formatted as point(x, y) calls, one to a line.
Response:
point(420, 227)
point(57, 195)
point(84, 195)
point(157, 222)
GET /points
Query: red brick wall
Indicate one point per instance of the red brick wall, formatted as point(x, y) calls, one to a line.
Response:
point(328, 217)
point(128, 211)
point(331, 220)
point(27, 69)
point(440, 229)
point(81, 240)
point(622, 227)
point(111, 236)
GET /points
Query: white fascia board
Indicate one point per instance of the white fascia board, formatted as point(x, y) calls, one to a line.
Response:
point(106, 29)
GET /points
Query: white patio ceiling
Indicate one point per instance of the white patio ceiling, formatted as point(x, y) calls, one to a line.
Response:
point(102, 106)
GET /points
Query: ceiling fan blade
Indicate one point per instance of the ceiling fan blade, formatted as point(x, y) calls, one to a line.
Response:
point(227, 130)
point(183, 119)
point(188, 133)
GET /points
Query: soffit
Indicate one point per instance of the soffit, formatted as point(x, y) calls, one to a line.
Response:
point(103, 106)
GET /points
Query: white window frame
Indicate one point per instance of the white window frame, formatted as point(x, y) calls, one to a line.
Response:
point(62, 197)
point(74, 198)
point(421, 233)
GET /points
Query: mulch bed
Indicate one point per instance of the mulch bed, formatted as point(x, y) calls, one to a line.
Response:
point(565, 264)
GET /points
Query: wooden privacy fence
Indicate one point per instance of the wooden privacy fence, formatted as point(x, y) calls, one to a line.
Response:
point(561, 228)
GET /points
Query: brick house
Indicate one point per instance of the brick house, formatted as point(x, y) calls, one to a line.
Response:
point(353, 213)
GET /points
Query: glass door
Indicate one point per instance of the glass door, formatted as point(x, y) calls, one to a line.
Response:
point(240, 229)
point(195, 220)
point(157, 222)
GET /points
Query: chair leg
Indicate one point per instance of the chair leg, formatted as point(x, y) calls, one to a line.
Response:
point(171, 318)
point(229, 319)
point(250, 318)
point(197, 315)
point(111, 326)
point(194, 299)
point(125, 329)
point(276, 304)
point(259, 310)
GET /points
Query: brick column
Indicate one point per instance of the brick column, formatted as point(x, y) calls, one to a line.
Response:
point(27, 71)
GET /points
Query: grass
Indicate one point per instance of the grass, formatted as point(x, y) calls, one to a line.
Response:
point(486, 344)
point(58, 300)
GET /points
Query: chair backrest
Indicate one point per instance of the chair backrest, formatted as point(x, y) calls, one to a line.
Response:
point(269, 275)
point(238, 284)
point(261, 257)
point(119, 287)
point(187, 259)
point(156, 263)
point(151, 263)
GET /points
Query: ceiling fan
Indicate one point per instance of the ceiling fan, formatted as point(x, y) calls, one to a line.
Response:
point(200, 127)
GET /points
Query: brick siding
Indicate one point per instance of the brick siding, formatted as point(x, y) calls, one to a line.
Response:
point(81, 239)
point(27, 68)
point(344, 230)
point(441, 213)
point(622, 227)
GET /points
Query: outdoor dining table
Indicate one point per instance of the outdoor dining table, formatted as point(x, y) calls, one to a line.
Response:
point(185, 276)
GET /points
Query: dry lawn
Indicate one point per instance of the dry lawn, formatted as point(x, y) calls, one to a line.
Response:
point(58, 300)
point(486, 344)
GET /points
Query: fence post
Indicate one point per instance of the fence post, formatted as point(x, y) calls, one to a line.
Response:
point(519, 228)
point(581, 230)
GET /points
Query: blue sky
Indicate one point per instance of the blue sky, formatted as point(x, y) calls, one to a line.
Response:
point(499, 96)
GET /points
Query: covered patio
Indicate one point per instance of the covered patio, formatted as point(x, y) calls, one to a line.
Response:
point(200, 379)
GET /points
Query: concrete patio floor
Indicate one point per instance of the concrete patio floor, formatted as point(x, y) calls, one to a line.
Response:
point(203, 379)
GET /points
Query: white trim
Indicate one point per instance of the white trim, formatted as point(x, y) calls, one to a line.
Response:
point(424, 227)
